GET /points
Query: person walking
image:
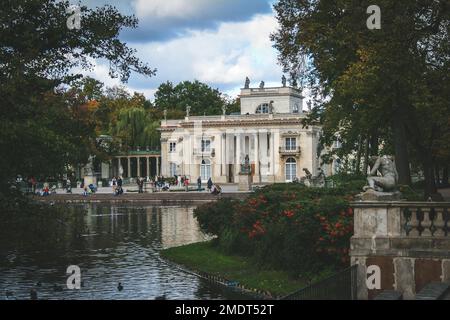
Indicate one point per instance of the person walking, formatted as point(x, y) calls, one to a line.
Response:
point(68, 186)
point(199, 184)
point(33, 185)
point(119, 186)
point(114, 184)
point(140, 183)
point(186, 184)
point(209, 184)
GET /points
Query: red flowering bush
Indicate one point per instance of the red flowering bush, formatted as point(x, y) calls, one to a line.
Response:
point(287, 226)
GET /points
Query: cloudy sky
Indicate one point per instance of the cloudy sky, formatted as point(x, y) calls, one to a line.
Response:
point(218, 42)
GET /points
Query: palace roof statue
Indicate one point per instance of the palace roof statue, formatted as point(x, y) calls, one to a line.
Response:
point(247, 83)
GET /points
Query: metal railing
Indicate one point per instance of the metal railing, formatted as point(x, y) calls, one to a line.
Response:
point(341, 286)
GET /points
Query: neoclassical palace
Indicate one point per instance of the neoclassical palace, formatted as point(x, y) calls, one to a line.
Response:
point(268, 132)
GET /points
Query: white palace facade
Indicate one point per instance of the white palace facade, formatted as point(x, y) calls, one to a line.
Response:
point(268, 132)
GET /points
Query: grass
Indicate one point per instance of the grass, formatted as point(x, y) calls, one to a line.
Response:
point(206, 258)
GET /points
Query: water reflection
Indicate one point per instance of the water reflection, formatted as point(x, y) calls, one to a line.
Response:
point(110, 244)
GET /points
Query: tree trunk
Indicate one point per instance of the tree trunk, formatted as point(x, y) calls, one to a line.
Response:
point(358, 156)
point(374, 144)
point(437, 175)
point(366, 157)
point(401, 152)
point(428, 171)
point(445, 176)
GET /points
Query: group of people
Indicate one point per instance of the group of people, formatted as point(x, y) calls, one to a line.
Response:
point(116, 184)
point(211, 187)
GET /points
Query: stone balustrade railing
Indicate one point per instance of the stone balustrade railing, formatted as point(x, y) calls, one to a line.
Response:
point(408, 241)
point(426, 220)
point(402, 219)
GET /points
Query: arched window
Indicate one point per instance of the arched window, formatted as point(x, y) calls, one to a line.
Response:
point(205, 170)
point(291, 169)
point(263, 108)
point(295, 108)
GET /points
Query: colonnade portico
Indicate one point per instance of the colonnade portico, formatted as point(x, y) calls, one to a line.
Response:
point(146, 164)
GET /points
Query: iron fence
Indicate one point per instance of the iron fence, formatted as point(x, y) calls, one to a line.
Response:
point(341, 286)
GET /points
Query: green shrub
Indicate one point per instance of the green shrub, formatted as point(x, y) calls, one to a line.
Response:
point(286, 226)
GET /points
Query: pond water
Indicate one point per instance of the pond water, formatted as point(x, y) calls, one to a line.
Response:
point(110, 244)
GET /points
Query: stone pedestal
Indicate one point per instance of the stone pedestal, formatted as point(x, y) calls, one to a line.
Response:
point(372, 195)
point(245, 182)
point(90, 180)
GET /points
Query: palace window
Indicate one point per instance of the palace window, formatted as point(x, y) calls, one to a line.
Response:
point(295, 108)
point(172, 147)
point(263, 108)
point(205, 170)
point(291, 144)
point(206, 145)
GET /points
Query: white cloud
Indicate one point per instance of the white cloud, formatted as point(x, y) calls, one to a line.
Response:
point(223, 57)
point(170, 8)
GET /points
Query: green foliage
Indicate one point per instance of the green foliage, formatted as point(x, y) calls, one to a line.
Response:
point(373, 88)
point(285, 226)
point(43, 129)
point(135, 129)
point(202, 99)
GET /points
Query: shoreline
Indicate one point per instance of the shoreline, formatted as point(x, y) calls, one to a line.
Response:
point(233, 272)
point(144, 198)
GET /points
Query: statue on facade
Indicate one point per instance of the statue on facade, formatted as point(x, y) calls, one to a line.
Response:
point(294, 83)
point(188, 111)
point(271, 109)
point(165, 114)
point(89, 168)
point(261, 85)
point(245, 167)
point(224, 110)
point(247, 83)
point(283, 81)
point(389, 177)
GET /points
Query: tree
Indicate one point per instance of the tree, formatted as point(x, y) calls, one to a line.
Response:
point(42, 130)
point(202, 99)
point(389, 85)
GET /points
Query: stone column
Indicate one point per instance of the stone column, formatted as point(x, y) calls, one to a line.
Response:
point(128, 167)
point(119, 164)
point(164, 157)
point(238, 154)
point(277, 170)
point(148, 166)
point(157, 166)
point(256, 151)
point(223, 166)
point(138, 165)
point(272, 154)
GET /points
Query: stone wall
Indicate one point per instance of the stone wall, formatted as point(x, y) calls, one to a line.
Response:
point(409, 242)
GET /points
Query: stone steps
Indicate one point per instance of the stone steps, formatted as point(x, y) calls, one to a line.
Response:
point(434, 291)
point(389, 295)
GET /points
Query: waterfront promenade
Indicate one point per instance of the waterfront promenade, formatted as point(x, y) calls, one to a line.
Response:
point(131, 196)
